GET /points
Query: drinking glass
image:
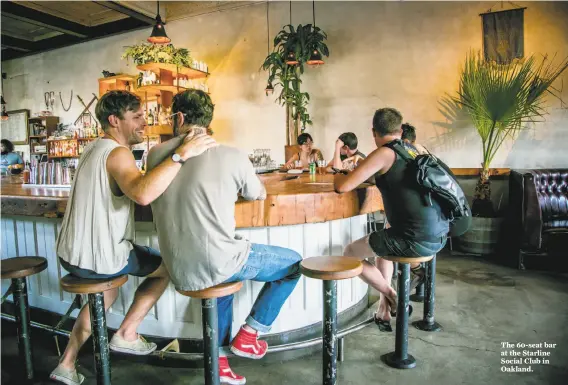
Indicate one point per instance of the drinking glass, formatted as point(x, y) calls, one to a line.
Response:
point(321, 166)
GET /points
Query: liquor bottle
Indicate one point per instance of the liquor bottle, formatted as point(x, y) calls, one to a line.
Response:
point(128, 86)
point(26, 173)
point(139, 80)
point(150, 118)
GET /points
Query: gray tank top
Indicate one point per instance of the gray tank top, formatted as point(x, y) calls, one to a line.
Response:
point(98, 227)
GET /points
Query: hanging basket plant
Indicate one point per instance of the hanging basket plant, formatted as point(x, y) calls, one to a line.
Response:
point(155, 53)
point(293, 49)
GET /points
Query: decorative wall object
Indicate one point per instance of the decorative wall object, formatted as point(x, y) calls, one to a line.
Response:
point(503, 35)
point(15, 128)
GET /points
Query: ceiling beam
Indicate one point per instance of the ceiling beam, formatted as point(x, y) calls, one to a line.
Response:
point(126, 11)
point(32, 16)
point(17, 44)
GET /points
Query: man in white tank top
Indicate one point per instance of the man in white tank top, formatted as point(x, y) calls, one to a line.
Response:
point(97, 233)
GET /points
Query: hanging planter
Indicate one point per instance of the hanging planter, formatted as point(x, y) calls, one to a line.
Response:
point(293, 49)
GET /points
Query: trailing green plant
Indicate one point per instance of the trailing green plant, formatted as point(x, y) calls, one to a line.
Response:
point(501, 100)
point(157, 53)
point(302, 41)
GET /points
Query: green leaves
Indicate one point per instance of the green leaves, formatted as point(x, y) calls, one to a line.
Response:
point(157, 53)
point(302, 40)
point(501, 99)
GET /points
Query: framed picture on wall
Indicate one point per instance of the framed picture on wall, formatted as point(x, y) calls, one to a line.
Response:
point(15, 129)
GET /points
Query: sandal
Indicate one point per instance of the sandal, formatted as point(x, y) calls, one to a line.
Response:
point(384, 326)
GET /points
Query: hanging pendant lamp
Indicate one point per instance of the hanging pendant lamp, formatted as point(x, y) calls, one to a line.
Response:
point(269, 89)
point(159, 35)
point(315, 58)
point(291, 56)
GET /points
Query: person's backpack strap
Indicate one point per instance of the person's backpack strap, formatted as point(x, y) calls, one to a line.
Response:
point(397, 147)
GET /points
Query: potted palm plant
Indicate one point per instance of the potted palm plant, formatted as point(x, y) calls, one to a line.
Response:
point(501, 100)
point(293, 49)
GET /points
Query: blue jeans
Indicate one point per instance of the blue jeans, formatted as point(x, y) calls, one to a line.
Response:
point(280, 269)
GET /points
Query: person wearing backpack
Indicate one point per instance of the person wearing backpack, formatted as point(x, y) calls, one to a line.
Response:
point(412, 188)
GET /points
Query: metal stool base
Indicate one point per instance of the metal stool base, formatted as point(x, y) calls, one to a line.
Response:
point(417, 298)
point(397, 363)
point(427, 327)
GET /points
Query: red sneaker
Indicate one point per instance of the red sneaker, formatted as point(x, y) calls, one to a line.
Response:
point(246, 344)
point(227, 376)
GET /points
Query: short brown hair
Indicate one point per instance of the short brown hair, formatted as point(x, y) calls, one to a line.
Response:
point(387, 121)
point(116, 103)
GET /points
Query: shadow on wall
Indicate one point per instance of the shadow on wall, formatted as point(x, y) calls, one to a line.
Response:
point(542, 146)
point(456, 133)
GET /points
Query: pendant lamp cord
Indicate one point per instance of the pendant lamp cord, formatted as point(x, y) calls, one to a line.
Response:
point(290, 12)
point(314, 11)
point(267, 30)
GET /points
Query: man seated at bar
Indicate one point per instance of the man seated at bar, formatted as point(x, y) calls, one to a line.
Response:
point(346, 155)
point(97, 234)
point(307, 153)
point(415, 229)
point(409, 136)
point(195, 221)
point(9, 157)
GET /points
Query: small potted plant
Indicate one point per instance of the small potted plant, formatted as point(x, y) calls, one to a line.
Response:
point(157, 53)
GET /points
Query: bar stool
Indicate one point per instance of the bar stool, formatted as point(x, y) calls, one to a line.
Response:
point(94, 288)
point(210, 325)
point(400, 358)
point(427, 323)
point(17, 269)
point(330, 270)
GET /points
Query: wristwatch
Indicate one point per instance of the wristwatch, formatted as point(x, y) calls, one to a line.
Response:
point(176, 158)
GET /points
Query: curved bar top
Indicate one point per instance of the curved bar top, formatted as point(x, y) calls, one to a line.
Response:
point(306, 199)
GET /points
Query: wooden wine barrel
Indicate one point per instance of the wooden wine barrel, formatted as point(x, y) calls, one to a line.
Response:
point(482, 237)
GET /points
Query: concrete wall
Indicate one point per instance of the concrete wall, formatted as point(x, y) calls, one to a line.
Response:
point(405, 55)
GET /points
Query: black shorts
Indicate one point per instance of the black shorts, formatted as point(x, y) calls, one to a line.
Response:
point(384, 242)
point(142, 262)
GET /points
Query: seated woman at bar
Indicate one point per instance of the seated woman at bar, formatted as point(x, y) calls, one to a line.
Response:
point(9, 157)
point(307, 153)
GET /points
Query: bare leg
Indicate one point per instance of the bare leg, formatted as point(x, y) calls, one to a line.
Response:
point(361, 250)
point(82, 331)
point(147, 294)
point(386, 269)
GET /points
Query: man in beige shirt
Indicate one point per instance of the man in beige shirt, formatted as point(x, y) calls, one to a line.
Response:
point(97, 233)
point(195, 220)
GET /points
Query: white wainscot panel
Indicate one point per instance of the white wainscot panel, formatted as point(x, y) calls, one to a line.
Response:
point(175, 315)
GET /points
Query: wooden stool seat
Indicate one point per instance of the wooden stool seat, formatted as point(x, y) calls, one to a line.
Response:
point(76, 285)
point(331, 268)
point(217, 291)
point(20, 267)
point(405, 259)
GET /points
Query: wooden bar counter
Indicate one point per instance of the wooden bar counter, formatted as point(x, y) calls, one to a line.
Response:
point(307, 199)
point(304, 214)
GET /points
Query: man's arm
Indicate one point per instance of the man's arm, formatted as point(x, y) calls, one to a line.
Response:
point(379, 160)
point(336, 162)
point(144, 189)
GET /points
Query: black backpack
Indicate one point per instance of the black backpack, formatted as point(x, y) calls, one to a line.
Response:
point(435, 179)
